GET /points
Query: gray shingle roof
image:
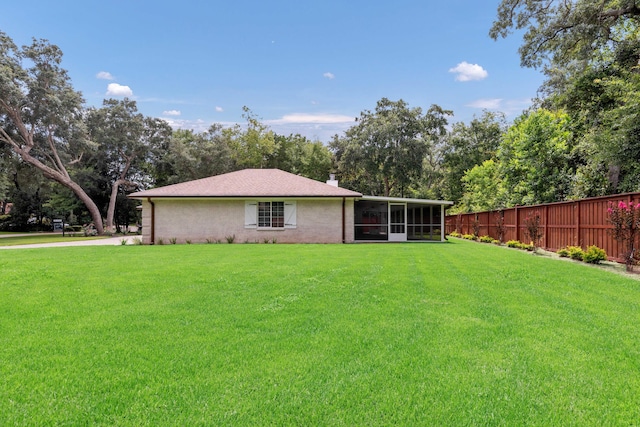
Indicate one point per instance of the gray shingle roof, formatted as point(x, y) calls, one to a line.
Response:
point(249, 183)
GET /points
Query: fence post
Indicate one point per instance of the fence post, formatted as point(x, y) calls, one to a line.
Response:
point(576, 241)
point(546, 227)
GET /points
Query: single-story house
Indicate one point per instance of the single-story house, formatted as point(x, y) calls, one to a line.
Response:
point(255, 205)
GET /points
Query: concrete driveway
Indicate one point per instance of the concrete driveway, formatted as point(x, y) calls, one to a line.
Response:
point(111, 241)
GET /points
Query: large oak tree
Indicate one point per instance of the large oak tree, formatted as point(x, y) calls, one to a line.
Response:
point(41, 115)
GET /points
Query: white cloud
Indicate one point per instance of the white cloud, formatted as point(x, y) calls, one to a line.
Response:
point(104, 75)
point(489, 104)
point(296, 118)
point(171, 113)
point(115, 89)
point(467, 72)
point(329, 75)
point(219, 109)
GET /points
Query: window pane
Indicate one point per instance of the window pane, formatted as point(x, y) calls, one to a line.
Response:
point(277, 214)
point(368, 212)
point(264, 214)
point(437, 217)
point(397, 228)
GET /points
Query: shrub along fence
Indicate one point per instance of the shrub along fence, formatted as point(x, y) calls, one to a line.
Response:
point(577, 223)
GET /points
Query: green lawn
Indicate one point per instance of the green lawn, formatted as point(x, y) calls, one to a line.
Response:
point(373, 334)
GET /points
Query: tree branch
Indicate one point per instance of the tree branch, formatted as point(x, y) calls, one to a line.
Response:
point(56, 158)
point(77, 159)
point(617, 13)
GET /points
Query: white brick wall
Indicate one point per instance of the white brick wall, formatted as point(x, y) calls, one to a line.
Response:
point(318, 221)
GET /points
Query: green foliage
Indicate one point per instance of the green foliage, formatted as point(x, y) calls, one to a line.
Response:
point(513, 244)
point(384, 152)
point(251, 147)
point(483, 189)
point(534, 158)
point(465, 148)
point(41, 115)
point(604, 103)
point(594, 255)
point(469, 237)
point(188, 156)
point(299, 155)
point(575, 252)
point(560, 34)
point(487, 239)
point(230, 239)
point(590, 52)
point(519, 245)
point(126, 140)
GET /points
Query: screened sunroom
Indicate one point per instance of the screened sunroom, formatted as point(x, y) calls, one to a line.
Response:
point(394, 219)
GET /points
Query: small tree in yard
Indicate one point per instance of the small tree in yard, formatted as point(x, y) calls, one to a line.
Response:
point(476, 226)
point(534, 229)
point(459, 223)
point(500, 226)
point(625, 219)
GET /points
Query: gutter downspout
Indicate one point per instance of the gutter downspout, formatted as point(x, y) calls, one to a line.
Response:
point(442, 224)
point(153, 221)
point(344, 201)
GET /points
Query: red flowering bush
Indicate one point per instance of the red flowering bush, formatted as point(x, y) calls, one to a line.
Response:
point(625, 219)
point(534, 228)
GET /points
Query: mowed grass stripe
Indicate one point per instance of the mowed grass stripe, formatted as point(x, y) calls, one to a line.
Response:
point(394, 334)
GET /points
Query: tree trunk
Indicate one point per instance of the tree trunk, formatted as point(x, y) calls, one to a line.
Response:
point(96, 217)
point(66, 181)
point(112, 204)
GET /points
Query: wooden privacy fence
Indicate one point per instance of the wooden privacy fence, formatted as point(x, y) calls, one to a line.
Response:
point(576, 223)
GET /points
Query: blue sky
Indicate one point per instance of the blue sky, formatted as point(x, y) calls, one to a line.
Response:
point(301, 67)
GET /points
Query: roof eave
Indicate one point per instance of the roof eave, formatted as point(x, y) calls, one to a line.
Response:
point(255, 196)
point(406, 200)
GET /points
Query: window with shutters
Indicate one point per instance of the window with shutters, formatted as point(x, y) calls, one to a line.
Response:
point(270, 214)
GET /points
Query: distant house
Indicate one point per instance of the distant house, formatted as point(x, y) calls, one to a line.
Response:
point(256, 205)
